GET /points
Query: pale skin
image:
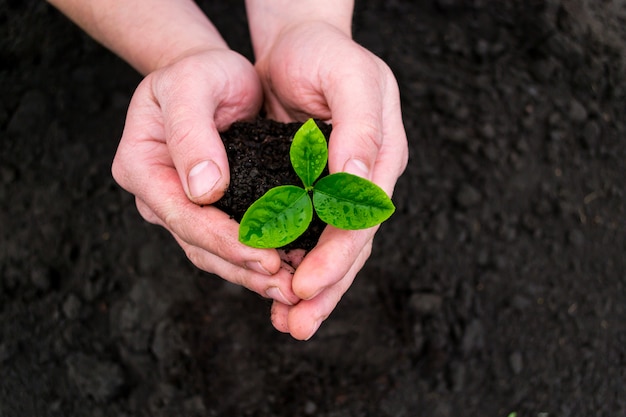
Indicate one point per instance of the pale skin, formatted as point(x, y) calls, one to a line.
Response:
point(172, 159)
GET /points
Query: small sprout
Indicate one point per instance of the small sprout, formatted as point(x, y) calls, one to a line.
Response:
point(342, 200)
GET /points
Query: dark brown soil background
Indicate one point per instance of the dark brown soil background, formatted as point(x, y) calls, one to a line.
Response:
point(498, 286)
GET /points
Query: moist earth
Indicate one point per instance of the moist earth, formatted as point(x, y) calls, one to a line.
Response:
point(498, 286)
point(248, 143)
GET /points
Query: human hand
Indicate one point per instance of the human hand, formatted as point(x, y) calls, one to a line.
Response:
point(172, 159)
point(315, 70)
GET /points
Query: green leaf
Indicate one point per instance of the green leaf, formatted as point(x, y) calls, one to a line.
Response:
point(277, 218)
point(309, 153)
point(350, 202)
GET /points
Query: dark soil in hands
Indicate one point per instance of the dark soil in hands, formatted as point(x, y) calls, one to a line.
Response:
point(498, 286)
point(258, 155)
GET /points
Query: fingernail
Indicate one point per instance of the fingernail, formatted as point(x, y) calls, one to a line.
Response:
point(276, 294)
point(256, 266)
point(315, 294)
point(316, 326)
point(203, 177)
point(357, 167)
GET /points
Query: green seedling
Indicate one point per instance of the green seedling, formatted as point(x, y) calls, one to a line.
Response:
point(342, 200)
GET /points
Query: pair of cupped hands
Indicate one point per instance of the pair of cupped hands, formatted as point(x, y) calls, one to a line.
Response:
point(172, 159)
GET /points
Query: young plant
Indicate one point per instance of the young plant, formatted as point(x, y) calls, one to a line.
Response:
point(342, 200)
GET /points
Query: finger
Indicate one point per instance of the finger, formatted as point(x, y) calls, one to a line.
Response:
point(276, 286)
point(279, 314)
point(195, 107)
point(147, 213)
point(216, 233)
point(330, 261)
point(304, 319)
point(356, 105)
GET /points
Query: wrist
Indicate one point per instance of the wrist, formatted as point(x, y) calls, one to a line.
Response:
point(176, 53)
point(148, 34)
point(269, 19)
point(169, 32)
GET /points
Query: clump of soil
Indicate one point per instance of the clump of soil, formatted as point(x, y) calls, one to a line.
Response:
point(258, 155)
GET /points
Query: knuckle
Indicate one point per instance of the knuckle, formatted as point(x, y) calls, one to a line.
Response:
point(118, 170)
point(194, 256)
point(223, 247)
point(402, 158)
point(182, 129)
point(207, 237)
point(369, 136)
point(174, 220)
point(145, 212)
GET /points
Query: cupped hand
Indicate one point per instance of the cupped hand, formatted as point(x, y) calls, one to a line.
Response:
point(316, 70)
point(172, 159)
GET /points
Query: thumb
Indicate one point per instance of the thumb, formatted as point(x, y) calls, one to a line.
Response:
point(368, 138)
point(194, 107)
point(357, 136)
